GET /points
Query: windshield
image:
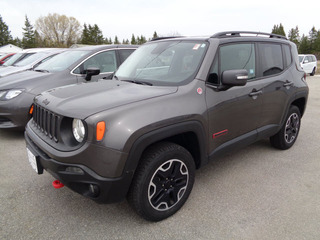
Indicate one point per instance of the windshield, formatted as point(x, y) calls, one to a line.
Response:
point(61, 61)
point(30, 59)
point(16, 58)
point(164, 63)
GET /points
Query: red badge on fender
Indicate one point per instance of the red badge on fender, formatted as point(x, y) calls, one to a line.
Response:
point(199, 91)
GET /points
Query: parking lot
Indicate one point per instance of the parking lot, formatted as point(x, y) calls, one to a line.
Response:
point(255, 193)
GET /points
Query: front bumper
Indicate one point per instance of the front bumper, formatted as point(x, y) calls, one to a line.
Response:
point(81, 178)
point(14, 113)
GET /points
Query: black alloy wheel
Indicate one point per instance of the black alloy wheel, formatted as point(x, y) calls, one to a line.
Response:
point(162, 182)
point(288, 133)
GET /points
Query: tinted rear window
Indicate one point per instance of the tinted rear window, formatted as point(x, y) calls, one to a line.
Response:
point(287, 55)
point(271, 59)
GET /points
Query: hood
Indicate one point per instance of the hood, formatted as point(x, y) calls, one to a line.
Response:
point(13, 69)
point(21, 79)
point(85, 99)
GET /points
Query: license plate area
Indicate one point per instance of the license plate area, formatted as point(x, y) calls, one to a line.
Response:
point(34, 162)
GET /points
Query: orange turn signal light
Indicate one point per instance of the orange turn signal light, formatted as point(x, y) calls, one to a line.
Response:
point(31, 110)
point(101, 128)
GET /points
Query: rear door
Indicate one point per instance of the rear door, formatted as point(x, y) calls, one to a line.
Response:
point(277, 84)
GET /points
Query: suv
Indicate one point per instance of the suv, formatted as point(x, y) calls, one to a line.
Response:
point(308, 63)
point(172, 106)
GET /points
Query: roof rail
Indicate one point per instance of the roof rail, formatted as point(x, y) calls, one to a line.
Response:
point(238, 34)
point(162, 38)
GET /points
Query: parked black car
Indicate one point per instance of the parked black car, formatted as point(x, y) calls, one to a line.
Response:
point(172, 106)
point(70, 67)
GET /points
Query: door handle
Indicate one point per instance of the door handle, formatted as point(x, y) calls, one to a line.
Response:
point(255, 93)
point(288, 84)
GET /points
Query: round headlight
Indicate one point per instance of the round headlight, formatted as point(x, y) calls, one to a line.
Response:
point(78, 130)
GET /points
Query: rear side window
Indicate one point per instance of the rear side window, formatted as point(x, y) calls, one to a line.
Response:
point(287, 55)
point(271, 59)
point(124, 54)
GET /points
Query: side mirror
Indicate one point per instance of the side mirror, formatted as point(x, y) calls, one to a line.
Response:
point(236, 77)
point(91, 72)
point(305, 61)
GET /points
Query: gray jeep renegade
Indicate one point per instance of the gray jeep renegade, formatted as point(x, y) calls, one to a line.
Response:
point(172, 106)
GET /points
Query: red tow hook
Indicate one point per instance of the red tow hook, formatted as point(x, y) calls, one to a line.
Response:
point(57, 184)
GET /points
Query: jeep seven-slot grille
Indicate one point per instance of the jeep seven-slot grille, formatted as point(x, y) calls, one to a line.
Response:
point(46, 121)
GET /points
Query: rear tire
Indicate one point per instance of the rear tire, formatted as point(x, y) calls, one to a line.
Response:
point(288, 134)
point(162, 182)
point(313, 72)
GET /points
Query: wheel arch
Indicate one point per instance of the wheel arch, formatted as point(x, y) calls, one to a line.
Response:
point(189, 135)
point(301, 104)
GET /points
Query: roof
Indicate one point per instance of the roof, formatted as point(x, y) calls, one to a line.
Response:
point(102, 47)
point(10, 48)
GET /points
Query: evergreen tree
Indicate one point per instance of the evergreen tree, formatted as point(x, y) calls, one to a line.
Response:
point(97, 34)
point(305, 46)
point(5, 36)
point(85, 39)
point(317, 43)
point(155, 35)
point(116, 40)
point(278, 29)
point(28, 40)
point(312, 38)
point(38, 40)
point(294, 36)
point(133, 40)
point(141, 40)
point(17, 42)
point(91, 35)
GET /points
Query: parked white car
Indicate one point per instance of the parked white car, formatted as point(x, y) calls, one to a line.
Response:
point(308, 63)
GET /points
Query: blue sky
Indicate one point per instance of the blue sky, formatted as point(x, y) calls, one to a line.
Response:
point(167, 17)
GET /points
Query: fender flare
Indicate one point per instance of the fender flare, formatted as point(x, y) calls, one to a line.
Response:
point(147, 139)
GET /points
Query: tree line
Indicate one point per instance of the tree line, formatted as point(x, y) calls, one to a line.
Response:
point(57, 30)
point(307, 44)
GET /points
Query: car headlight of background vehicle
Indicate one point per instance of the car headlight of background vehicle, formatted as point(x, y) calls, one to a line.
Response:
point(9, 94)
point(78, 130)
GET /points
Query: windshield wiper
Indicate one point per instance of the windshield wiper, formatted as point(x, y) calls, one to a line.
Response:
point(138, 82)
point(42, 70)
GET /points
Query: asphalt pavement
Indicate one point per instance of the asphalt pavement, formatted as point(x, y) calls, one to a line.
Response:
point(255, 193)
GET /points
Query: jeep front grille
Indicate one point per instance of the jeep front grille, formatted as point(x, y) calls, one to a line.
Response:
point(46, 121)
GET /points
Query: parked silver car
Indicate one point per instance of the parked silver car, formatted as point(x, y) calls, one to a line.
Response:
point(29, 60)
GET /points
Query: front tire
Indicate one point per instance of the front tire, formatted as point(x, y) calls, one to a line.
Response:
point(288, 134)
point(162, 182)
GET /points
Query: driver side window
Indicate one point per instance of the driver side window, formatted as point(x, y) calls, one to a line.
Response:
point(233, 57)
point(105, 61)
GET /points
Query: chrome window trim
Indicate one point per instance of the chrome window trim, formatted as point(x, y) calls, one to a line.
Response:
point(106, 50)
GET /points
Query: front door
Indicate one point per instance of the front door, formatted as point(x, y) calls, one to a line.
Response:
point(233, 114)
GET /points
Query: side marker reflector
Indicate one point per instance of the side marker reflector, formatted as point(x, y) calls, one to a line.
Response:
point(219, 134)
point(101, 128)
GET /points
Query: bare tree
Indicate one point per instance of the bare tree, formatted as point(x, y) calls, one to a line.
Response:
point(58, 30)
